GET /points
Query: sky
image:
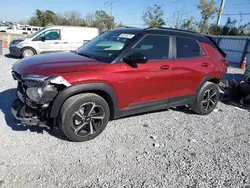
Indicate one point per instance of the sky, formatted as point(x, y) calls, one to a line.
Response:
point(129, 12)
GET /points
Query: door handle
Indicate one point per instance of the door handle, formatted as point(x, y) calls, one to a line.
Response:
point(205, 64)
point(65, 42)
point(56, 42)
point(165, 67)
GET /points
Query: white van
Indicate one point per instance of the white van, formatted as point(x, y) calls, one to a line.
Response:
point(52, 39)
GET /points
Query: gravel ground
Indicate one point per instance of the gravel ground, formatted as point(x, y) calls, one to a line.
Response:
point(164, 149)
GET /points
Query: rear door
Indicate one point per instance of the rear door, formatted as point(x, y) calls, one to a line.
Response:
point(191, 65)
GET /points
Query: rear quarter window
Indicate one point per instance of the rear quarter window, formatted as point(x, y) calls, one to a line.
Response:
point(187, 48)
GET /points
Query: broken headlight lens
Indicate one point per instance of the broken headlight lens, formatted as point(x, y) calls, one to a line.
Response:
point(42, 89)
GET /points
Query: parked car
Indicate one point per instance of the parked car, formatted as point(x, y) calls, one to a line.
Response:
point(121, 72)
point(52, 39)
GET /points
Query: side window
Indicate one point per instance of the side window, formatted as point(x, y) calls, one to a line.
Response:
point(187, 48)
point(155, 47)
point(53, 34)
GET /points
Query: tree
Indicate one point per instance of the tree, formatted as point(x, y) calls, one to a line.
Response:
point(59, 19)
point(73, 18)
point(153, 16)
point(90, 19)
point(191, 24)
point(103, 21)
point(119, 25)
point(215, 29)
point(41, 18)
point(208, 10)
point(177, 20)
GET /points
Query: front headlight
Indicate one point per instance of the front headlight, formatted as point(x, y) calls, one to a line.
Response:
point(15, 42)
point(42, 89)
point(41, 78)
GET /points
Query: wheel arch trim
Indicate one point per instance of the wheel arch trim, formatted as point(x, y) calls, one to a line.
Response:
point(81, 88)
point(203, 81)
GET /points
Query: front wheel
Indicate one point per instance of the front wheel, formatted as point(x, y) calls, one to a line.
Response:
point(207, 99)
point(27, 52)
point(83, 117)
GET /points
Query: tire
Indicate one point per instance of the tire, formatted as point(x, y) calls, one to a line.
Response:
point(26, 51)
point(203, 104)
point(74, 121)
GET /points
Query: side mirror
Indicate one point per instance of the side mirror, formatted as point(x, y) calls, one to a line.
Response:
point(135, 58)
point(42, 39)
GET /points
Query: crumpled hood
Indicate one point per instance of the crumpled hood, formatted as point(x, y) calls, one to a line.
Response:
point(56, 63)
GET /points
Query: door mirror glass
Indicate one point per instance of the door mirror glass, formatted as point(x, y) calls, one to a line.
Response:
point(135, 58)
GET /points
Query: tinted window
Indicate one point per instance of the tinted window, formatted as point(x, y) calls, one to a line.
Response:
point(53, 34)
point(154, 47)
point(187, 48)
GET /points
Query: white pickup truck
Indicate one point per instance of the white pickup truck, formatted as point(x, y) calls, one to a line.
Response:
point(24, 30)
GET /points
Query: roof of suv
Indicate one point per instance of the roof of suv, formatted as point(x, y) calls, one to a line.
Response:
point(168, 31)
point(175, 32)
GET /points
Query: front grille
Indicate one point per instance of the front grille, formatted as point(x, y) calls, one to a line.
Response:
point(26, 100)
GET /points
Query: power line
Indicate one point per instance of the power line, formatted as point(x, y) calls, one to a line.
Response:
point(236, 14)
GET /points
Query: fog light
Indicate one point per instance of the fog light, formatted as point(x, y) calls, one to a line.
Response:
point(34, 94)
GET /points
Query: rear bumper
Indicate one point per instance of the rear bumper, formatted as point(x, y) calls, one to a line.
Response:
point(15, 51)
point(19, 111)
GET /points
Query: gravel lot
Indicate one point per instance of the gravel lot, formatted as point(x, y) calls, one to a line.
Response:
point(163, 149)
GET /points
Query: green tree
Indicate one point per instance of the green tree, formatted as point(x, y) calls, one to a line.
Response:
point(215, 29)
point(41, 18)
point(208, 11)
point(153, 17)
point(103, 21)
point(191, 24)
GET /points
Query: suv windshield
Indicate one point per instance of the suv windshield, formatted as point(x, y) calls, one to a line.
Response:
point(106, 46)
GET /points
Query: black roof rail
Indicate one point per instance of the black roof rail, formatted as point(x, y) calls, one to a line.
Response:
point(174, 29)
point(128, 27)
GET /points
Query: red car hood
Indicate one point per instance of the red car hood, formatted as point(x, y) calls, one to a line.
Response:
point(56, 63)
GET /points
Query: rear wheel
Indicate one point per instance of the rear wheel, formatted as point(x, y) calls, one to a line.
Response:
point(83, 117)
point(207, 99)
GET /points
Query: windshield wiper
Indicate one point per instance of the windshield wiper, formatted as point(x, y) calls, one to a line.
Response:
point(89, 56)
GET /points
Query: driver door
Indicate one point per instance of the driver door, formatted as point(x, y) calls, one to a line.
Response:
point(51, 42)
point(149, 82)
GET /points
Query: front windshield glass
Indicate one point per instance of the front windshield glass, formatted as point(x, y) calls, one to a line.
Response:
point(33, 34)
point(106, 46)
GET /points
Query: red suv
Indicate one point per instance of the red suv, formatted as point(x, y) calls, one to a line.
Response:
point(121, 72)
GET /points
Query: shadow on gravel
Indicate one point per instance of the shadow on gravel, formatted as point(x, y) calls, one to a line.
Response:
point(10, 56)
point(6, 98)
point(183, 109)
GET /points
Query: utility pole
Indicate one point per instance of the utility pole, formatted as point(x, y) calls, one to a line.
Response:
point(220, 11)
point(111, 5)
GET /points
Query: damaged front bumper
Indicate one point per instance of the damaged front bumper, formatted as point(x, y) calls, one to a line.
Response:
point(35, 94)
point(24, 113)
